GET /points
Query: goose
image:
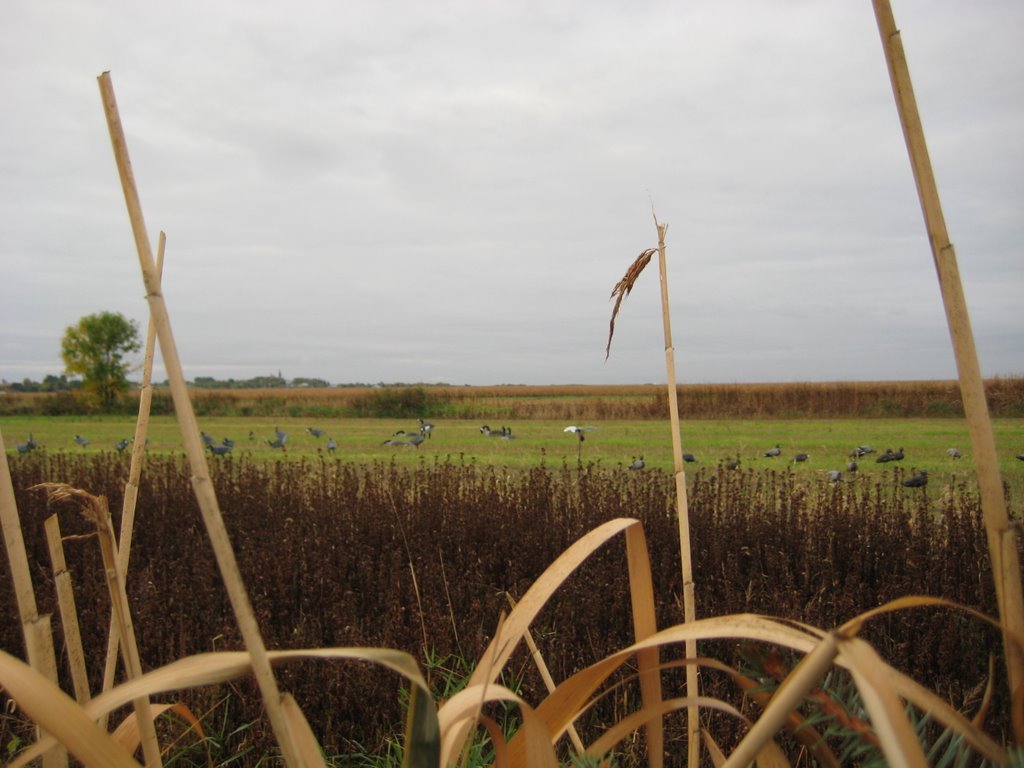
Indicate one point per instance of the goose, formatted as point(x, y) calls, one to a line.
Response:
point(638, 463)
point(834, 475)
point(315, 432)
point(953, 453)
point(863, 450)
point(122, 444)
point(801, 457)
point(771, 453)
point(331, 444)
point(852, 464)
point(426, 427)
point(689, 458)
point(918, 480)
point(415, 440)
point(219, 450)
point(279, 443)
point(228, 442)
point(206, 438)
point(82, 441)
point(733, 463)
point(890, 455)
point(32, 444)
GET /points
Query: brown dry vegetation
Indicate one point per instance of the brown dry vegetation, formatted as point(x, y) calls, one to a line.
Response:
point(420, 558)
point(646, 401)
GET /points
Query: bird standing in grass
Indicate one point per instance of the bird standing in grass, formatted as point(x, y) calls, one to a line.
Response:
point(851, 466)
point(801, 457)
point(689, 458)
point(890, 455)
point(863, 450)
point(331, 444)
point(122, 444)
point(953, 453)
point(279, 442)
point(835, 475)
point(638, 463)
point(917, 480)
point(771, 453)
point(315, 432)
point(219, 450)
point(82, 441)
point(426, 427)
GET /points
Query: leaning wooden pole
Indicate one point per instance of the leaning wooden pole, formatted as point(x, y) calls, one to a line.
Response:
point(1002, 540)
point(201, 481)
point(682, 508)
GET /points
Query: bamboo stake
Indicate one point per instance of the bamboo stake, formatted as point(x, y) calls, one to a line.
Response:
point(201, 481)
point(131, 489)
point(1001, 536)
point(68, 612)
point(682, 508)
point(36, 629)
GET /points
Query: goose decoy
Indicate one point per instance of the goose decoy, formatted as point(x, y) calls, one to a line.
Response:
point(771, 453)
point(23, 448)
point(82, 441)
point(206, 438)
point(801, 457)
point(426, 427)
point(219, 450)
point(953, 453)
point(506, 434)
point(122, 444)
point(1020, 456)
point(279, 442)
point(834, 475)
point(417, 439)
point(863, 450)
point(331, 444)
point(890, 455)
point(733, 463)
point(851, 466)
point(228, 442)
point(32, 444)
point(638, 463)
point(917, 480)
point(279, 433)
point(315, 432)
point(689, 458)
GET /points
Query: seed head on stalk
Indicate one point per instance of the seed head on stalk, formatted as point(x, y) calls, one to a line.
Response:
point(622, 289)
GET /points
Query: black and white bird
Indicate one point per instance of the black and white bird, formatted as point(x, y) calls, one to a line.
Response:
point(82, 441)
point(638, 463)
point(771, 453)
point(488, 432)
point(863, 450)
point(426, 427)
point(917, 480)
point(315, 432)
point(122, 444)
point(953, 453)
point(1020, 456)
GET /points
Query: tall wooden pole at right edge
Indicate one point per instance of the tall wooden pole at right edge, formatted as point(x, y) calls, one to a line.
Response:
point(1001, 536)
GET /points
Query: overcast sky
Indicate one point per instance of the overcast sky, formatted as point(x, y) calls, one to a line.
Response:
point(448, 191)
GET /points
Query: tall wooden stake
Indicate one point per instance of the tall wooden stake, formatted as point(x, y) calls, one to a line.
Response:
point(201, 481)
point(1001, 537)
point(682, 508)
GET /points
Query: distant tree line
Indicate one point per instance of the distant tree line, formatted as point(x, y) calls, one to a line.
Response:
point(50, 383)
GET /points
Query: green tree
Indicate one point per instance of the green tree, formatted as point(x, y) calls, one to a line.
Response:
point(95, 349)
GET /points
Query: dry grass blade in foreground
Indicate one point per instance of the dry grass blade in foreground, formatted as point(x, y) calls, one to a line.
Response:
point(623, 288)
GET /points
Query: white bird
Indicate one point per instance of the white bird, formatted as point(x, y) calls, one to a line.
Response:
point(576, 429)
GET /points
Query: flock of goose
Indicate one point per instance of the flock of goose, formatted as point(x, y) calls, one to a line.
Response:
point(417, 436)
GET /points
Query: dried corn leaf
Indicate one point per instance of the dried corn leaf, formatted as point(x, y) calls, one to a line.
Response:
point(127, 733)
point(623, 288)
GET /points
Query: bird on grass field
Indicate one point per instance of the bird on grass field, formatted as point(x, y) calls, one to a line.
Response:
point(851, 465)
point(863, 450)
point(219, 450)
point(505, 432)
point(1020, 456)
point(771, 453)
point(689, 458)
point(426, 427)
point(208, 439)
point(834, 475)
point(331, 444)
point(917, 479)
point(801, 457)
point(122, 444)
point(953, 453)
point(638, 463)
point(82, 441)
point(890, 455)
point(315, 432)
point(29, 445)
point(282, 437)
point(732, 463)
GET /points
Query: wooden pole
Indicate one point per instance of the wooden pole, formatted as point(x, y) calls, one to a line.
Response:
point(682, 508)
point(1001, 536)
point(201, 481)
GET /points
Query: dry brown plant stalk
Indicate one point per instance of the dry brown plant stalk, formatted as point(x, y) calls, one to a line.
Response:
point(622, 290)
point(1002, 537)
point(96, 510)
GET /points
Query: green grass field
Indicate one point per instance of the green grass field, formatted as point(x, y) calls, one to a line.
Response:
point(611, 444)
